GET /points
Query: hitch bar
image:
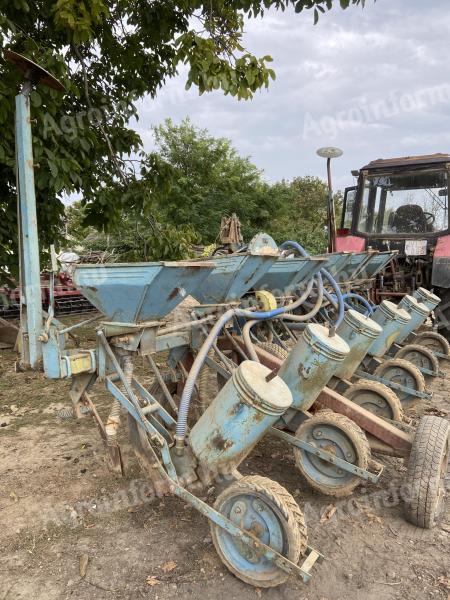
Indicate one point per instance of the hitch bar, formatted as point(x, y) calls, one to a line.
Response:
point(327, 456)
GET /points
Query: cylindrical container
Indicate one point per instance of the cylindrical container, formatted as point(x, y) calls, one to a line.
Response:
point(418, 312)
point(359, 332)
point(238, 417)
point(428, 298)
point(312, 363)
point(392, 320)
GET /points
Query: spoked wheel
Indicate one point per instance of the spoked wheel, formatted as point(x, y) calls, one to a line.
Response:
point(265, 509)
point(433, 341)
point(427, 469)
point(377, 398)
point(274, 349)
point(419, 356)
point(338, 435)
point(404, 373)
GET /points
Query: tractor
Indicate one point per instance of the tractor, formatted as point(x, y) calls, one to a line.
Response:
point(401, 204)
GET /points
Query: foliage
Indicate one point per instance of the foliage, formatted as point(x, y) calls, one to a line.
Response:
point(304, 212)
point(109, 53)
point(205, 179)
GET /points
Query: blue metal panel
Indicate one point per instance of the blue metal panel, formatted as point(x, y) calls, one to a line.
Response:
point(31, 309)
point(286, 273)
point(137, 292)
point(378, 262)
point(337, 264)
point(232, 277)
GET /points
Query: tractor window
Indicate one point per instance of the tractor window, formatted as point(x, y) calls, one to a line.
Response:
point(347, 212)
point(409, 203)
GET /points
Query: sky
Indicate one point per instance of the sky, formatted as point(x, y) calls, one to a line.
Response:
point(373, 82)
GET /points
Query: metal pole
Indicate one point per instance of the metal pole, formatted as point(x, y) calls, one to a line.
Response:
point(30, 283)
point(331, 213)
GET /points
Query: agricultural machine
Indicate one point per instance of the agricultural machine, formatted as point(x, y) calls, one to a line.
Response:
point(401, 205)
point(191, 431)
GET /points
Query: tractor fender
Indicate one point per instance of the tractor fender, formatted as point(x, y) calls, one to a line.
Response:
point(441, 263)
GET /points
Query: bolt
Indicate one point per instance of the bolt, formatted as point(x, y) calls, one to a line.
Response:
point(237, 510)
point(319, 433)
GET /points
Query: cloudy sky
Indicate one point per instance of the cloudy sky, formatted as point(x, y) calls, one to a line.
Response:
point(372, 81)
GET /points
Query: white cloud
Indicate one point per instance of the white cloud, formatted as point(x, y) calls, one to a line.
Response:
point(350, 60)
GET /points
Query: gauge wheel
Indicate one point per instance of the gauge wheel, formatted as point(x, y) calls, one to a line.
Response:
point(265, 509)
point(340, 436)
point(427, 469)
point(433, 341)
point(404, 373)
point(419, 356)
point(377, 398)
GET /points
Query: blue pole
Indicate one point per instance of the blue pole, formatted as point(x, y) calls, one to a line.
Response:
point(31, 307)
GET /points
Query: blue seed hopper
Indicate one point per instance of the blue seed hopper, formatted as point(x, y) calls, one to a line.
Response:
point(137, 292)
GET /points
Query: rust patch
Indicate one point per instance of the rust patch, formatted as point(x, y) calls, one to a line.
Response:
point(173, 293)
point(220, 443)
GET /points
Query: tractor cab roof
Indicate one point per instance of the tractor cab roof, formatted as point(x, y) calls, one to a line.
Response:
point(426, 160)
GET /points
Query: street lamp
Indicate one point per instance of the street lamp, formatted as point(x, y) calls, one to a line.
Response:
point(329, 152)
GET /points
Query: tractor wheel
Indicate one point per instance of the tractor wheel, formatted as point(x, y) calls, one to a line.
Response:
point(433, 341)
point(274, 349)
point(265, 509)
point(419, 356)
point(338, 435)
point(427, 469)
point(377, 398)
point(404, 373)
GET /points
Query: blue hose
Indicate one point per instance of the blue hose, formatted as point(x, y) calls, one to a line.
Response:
point(327, 275)
point(361, 299)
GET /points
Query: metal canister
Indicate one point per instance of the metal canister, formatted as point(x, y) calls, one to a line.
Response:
point(312, 363)
point(238, 417)
point(359, 332)
point(426, 297)
point(392, 321)
point(418, 312)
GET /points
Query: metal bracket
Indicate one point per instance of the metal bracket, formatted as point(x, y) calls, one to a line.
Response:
point(303, 571)
point(327, 456)
point(394, 386)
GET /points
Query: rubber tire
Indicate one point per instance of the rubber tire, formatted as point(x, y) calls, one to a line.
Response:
point(288, 513)
point(428, 458)
point(431, 358)
point(433, 335)
point(358, 439)
point(382, 390)
point(407, 366)
point(274, 349)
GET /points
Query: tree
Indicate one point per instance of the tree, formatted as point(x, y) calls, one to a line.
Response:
point(303, 216)
point(208, 180)
point(109, 53)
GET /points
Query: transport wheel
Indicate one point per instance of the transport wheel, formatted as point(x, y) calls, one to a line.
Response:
point(265, 509)
point(401, 371)
point(420, 356)
point(377, 398)
point(433, 341)
point(427, 468)
point(338, 435)
point(274, 349)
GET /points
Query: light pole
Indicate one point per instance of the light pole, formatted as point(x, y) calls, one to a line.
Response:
point(329, 152)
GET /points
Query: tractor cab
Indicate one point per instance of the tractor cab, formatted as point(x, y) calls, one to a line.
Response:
point(401, 204)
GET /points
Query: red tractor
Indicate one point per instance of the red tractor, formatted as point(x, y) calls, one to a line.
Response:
point(402, 204)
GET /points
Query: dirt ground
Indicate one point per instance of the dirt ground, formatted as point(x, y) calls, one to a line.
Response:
point(61, 507)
